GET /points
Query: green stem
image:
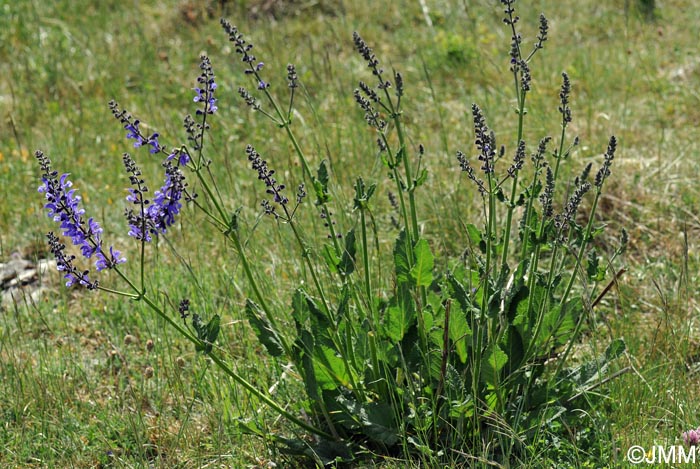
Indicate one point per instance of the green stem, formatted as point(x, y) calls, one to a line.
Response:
point(266, 399)
point(514, 188)
point(365, 259)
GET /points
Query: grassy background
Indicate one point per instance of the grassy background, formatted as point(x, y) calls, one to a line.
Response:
point(75, 369)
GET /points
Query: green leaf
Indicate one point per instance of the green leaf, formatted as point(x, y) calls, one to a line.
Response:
point(329, 368)
point(595, 369)
point(401, 262)
point(595, 271)
point(375, 420)
point(322, 174)
point(233, 223)
point(304, 309)
point(460, 333)
point(458, 292)
point(342, 305)
point(561, 322)
point(263, 329)
point(475, 237)
point(213, 328)
point(300, 312)
point(346, 266)
point(420, 180)
point(400, 315)
point(304, 348)
point(206, 333)
point(323, 453)
point(422, 271)
point(616, 348)
point(362, 194)
point(492, 363)
point(514, 348)
point(330, 257)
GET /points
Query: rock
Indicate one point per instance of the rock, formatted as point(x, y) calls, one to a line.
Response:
point(21, 279)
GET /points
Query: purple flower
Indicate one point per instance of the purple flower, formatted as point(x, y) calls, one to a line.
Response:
point(166, 201)
point(182, 157)
point(132, 131)
point(64, 207)
point(114, 259)
point(153, 142)
point(65, 264)
point(262, 85)
point(154, 217)
point(692, 437)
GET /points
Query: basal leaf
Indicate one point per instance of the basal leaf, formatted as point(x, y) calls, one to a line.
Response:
point(400, 315)
point(492, 363)
point(459, 332)
point(422, 271)
point(329, 368)
point(401, 262)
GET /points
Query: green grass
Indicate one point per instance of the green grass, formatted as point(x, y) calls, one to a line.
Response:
point(74, 392)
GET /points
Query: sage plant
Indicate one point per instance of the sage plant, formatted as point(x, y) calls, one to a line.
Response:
point(450, 361)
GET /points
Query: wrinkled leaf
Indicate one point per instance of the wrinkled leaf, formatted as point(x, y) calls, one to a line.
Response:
point(422, 271)
point(374, 420)
point(329, 368)
point(492, 363)
point(400, 315)
point(401, 262)
point(459, 332)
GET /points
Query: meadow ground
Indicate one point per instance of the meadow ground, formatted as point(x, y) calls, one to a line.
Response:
point(90, 380)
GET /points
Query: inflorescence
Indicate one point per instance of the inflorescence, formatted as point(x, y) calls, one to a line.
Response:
point(273, 187)
point(132, 129)
point(63, 206)
point(205, 94)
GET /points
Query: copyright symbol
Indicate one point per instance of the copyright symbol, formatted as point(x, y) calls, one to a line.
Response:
point(636, 454)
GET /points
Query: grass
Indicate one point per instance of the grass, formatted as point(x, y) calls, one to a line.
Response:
point(75, 387)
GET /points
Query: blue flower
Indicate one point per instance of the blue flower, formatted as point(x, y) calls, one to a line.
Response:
point(166, 201)
point(65, 264)
point(63, 206)
point(115, 257)
point(132, 131)
point(153, 142)
point(182, 157)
